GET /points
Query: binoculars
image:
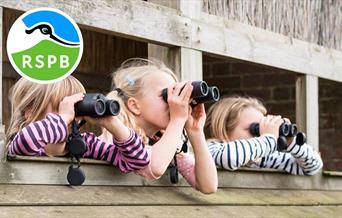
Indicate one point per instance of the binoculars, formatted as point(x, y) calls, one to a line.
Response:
point(285, 130)
point(96, 105)
point(201, 93)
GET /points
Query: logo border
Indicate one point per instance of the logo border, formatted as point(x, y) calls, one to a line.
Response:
point(78, 60)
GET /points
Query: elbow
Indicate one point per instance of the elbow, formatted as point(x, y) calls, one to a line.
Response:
point(157, 171)
point(208, 189)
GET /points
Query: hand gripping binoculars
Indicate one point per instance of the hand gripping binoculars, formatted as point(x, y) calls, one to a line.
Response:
point(96, 105)
point(201, 93)
point(285, 130)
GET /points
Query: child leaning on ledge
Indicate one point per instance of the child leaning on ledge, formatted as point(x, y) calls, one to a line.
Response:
point(233, 146)
point(41, 122)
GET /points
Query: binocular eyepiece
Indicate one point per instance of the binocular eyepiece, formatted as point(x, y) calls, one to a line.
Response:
point(285, 129)
point(201, 93)
point(96, 105)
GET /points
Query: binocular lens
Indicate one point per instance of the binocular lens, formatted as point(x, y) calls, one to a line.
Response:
point(215, 93)
point(113, 107)
point(96, 105)
point(284, 129)
point(100, 107)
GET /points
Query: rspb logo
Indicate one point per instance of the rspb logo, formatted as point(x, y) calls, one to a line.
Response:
point(44, 45)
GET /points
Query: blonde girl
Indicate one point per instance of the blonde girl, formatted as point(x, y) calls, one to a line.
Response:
point(232, 145)
point(138, 85)
point(41, 119)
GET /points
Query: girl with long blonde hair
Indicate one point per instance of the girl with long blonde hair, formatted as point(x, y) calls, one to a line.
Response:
point(41, 119)
point(232, 145)
point(138, 85)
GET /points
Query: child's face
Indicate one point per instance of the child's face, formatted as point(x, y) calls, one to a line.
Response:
point(155, 113)
point(248, 116)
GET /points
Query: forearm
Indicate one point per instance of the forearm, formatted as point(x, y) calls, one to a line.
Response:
point(118, 130)
point(308, 160)
point(205, 169)
point(164, 150)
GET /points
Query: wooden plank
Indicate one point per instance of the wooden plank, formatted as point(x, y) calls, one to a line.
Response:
point(233, 39)
point(191, 60)
point(301, 102)
point(54, 173)
point(141, 20)
point(312, 115)
point(332, 173)
point(1, 67)
point(133, 19)
point(44, 195)
point(172, 211)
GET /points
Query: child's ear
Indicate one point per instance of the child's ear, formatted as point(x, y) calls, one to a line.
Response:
point(133, 106)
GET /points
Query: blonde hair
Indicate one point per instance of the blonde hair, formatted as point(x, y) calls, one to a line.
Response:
point(224, 115)
point(34, 98)
point(129, 81)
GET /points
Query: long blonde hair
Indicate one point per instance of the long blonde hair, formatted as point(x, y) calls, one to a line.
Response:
point(224, 115)
point(34, 99)
point(129, 81)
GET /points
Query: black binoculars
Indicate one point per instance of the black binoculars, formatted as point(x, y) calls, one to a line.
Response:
point(96, 105)
point(201, 93)
point(285, 130)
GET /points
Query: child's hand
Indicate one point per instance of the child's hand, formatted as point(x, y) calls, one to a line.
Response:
point(178, 100)
point(270, 125)
point(67, 107)
point(196, 118)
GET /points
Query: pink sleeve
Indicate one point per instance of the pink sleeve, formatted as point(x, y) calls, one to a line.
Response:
point(186, 167)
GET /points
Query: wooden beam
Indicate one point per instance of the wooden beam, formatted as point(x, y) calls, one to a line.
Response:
point(312, 114)
point(301, 103)
point(171, 211)
point(2, 129)
point(153, 23)
point(307, 115)
point(14, 195)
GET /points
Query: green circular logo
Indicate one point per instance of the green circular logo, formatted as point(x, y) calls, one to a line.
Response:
point(44, 45)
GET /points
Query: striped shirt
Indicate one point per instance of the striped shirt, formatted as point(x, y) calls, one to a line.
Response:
point(260, 152)
point(129, 155)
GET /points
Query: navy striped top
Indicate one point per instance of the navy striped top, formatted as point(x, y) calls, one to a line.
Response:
point(260, 152)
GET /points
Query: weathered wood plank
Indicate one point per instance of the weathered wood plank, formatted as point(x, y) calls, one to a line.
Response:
point(20, 172)
point(131, 18)
point(1, 67)
point(43, 195)
point(144, 21)
point(312, 115)
point(172, 211)
point(301, 102)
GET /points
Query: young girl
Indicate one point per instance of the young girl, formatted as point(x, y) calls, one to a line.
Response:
point(138, 86)
point(40, 125)
point(232, 145)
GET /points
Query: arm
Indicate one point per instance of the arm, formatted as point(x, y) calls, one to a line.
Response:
point(32, 139)
point(129, 155)
point(163, 151)
point(298, 160)
point(205, 169)
point(235, 154)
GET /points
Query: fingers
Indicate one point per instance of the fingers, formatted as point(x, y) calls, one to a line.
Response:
point(74, 98)
point(179, 88)
point(287, 120)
